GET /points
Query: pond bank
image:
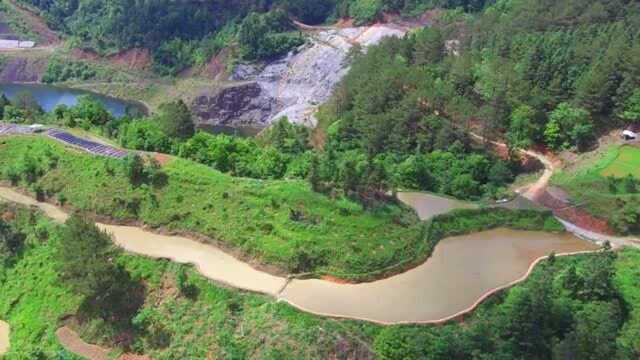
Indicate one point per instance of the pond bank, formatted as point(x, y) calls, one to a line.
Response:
point(461, 272)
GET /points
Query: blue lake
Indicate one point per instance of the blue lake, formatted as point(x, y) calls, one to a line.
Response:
point(51, 96)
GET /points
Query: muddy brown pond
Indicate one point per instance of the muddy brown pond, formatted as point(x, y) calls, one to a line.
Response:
point(460, 272)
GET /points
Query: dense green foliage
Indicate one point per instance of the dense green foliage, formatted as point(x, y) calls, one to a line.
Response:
point(290, 225)
point(553, 72)
point(582, 307)
point(169, 324)
point(388, 126)
point(181, 35)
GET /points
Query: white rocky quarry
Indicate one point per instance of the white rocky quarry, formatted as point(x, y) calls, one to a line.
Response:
point(293, 86)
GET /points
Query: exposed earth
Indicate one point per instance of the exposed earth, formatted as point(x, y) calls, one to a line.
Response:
point(293, 86)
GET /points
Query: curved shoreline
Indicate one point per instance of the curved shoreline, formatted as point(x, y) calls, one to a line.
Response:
point(219, 266)
point(457, 316)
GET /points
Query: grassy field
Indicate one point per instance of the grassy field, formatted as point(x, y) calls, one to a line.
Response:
point(278, 222)
point(592, 184)
point(627, 281)
point(32, 299)
point(626, 162)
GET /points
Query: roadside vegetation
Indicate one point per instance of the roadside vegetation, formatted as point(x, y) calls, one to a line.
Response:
point(582, 307)
point(608, 187)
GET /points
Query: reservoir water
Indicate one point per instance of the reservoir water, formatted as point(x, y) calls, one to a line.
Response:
point(461, 271)
point(49, 97)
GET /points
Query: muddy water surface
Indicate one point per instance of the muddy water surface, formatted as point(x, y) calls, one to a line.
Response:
point(461, 270)
point(4, 337)
point(429, 205)
point(210, 261)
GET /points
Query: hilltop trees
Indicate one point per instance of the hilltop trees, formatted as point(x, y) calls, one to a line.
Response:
point(87, 265)
point(174, 118)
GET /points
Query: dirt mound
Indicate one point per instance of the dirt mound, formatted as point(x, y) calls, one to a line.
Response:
point(23, 70)
point(133, 59)
point(573, 214)
point(73, 343)
point(38, 25)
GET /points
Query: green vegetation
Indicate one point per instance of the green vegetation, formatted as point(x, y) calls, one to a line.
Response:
point(31, 293)
point(289, 225)
point(581, 307)
point(169, 324)
point(182, 35)
point(626, 163)
point(608, 188)
point(17, 23)
point(552, 72)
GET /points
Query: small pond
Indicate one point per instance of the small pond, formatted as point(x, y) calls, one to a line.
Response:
point(49, 97)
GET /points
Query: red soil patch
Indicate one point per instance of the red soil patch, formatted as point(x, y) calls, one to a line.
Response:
point(133, 59)
point(47, 36)
point(575, 215)
point(216, 66)
point(163, 159)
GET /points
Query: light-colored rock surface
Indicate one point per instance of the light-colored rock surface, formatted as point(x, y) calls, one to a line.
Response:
point(293, 86)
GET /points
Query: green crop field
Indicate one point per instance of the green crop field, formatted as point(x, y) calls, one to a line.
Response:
point(627, 162)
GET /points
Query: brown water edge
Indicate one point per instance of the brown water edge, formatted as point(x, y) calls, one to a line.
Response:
point(462, 272)
point(429, 205)
point(210, 261)
point(4, 337)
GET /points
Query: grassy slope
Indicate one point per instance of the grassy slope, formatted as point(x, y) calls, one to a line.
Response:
point(628, 282)
point(217, 322)
point(587, 183)
point(32, 299)
point(254, 216)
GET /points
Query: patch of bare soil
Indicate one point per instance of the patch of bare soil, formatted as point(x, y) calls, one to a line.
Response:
point(567, 211)
point(47, 36)
point(73, 343)
point(132, 59)
point(23, 69)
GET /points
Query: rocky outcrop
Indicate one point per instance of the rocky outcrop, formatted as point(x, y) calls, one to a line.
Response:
point(245, 104)
point(293, 86)
point(21, 69)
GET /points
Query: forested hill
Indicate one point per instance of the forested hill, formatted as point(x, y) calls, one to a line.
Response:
point(552, 72)
point(183, 33)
